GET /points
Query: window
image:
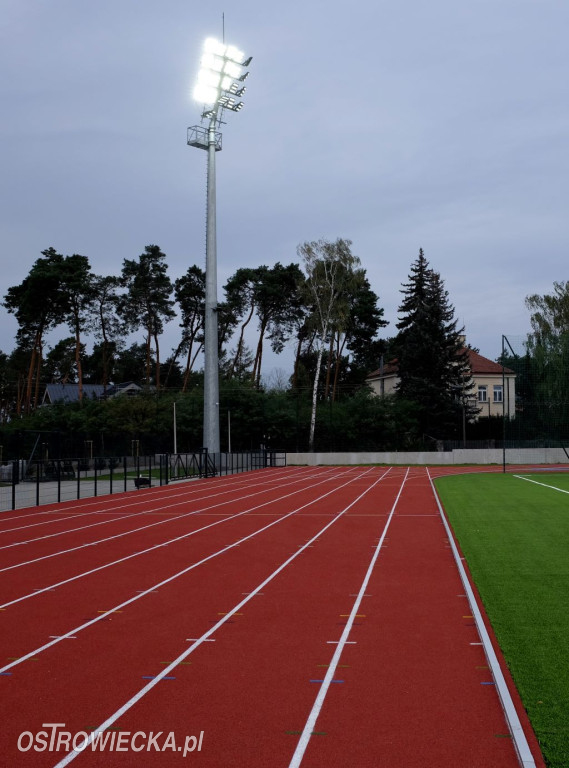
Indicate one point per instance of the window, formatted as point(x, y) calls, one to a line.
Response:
point(498, 393)
point(482, 393)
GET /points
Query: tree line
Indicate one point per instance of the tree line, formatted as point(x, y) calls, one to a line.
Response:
point(541, 364)
point(277, 303)
point(323, 305)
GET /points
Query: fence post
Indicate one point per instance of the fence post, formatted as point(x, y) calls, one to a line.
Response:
point(15, 479)
point(124, 473)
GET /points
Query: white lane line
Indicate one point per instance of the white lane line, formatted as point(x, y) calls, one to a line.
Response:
point(168, 491)
point(47, 522)
point(310, 724)
point(51, 587)
point(146, 527)
point(104, 522)
point(74, 530)
point(545, 485)
point(206, 636)
point(518, 736)
point(154, 587)
point(39, 513)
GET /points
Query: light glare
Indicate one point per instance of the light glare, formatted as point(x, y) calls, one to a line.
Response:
point(211, 45)
point(209, 61)
point(205, 93)
point(232, 69)
point(207, 77)
point(234, 54)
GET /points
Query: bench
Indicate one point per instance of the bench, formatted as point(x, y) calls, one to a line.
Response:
point(142, 482)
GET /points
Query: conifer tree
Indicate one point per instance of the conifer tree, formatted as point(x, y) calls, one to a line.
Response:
point(433, 364)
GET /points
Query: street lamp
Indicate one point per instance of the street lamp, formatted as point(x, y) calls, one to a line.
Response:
point(219, 87)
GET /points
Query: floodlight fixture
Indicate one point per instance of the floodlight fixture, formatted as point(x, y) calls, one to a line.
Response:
point(218, 85)
point(221, 71)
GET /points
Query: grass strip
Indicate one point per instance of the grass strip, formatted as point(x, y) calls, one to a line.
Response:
point(515, 537)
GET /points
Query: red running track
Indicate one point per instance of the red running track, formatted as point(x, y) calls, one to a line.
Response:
point(292, 617)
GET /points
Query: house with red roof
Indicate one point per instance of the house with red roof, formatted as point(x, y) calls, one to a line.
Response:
point(493, 390)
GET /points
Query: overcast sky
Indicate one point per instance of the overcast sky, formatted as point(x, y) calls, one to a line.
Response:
point(397, 124)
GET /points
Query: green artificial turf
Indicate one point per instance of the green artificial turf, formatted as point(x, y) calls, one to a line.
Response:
point(515, 537)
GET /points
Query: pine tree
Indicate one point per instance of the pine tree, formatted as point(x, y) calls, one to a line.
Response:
point(433, 365)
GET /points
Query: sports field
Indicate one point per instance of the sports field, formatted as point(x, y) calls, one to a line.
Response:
point(514, 531)
point(311, 616)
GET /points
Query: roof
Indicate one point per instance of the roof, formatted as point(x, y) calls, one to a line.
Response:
point(127, 387)
point(387, 369)
point(479, 365)
point(69, 393)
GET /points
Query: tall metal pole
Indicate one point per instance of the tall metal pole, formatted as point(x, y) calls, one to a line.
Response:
point(211, 362)
point(220, 84)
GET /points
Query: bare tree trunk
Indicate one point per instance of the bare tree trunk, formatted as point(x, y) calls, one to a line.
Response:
point(256, 373)
point(190, 366)
point(296, 362)
point(104, 350)
point(20, 393)
point(173, 362)
point(31, 370)
point(38, 375)
point(329, 366)
point(339, 351)
point(79, 367)
point(148, 340)
point(157, 361)
point(240, 343)
point(315, 399)
point(78, 358)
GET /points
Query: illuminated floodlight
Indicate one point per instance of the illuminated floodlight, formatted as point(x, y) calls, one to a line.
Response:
point(221, 71)
point(209, 61)
point(208, 77)
point(218, 87)
point(211, 45)
point(206, 94)
point(234, 54)
point(232, 69)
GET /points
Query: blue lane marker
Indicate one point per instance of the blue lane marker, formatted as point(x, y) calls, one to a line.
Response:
point(153, 677)
point(332, 681)
point(487, 683)
point(5, 673)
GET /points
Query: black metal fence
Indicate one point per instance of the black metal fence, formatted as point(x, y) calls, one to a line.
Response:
point(37, 482)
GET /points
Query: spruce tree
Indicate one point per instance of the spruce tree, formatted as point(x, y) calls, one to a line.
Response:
point(433, 365)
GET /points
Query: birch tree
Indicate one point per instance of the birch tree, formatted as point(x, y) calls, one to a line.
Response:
point(330, 269)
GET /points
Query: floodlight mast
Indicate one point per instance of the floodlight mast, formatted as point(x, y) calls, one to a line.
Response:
point(219, 83)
